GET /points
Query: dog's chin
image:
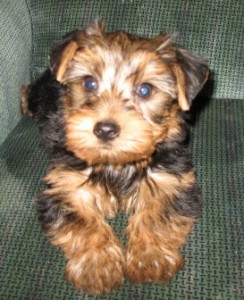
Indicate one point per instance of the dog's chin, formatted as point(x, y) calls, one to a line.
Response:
point(106, 154)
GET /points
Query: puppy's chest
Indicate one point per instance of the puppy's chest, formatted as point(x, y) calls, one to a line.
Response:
point(120, 182)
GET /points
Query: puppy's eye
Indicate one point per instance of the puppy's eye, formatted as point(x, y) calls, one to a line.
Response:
point(90, 83)
point(144, 90)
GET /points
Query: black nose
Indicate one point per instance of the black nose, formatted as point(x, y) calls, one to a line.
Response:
point(106, 131)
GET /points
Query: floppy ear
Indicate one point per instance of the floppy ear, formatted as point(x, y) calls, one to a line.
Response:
point(191, 73)
point(62, 53)
point(64, 59)
point(64, 50)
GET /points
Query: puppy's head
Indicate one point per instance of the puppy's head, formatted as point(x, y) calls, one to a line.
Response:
point(123, 92)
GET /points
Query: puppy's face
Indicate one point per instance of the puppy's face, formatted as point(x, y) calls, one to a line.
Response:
point(124, 93)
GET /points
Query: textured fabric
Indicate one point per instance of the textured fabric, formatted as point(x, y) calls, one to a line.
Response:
point(32, 269)
point(211, 28)
point(15, 47)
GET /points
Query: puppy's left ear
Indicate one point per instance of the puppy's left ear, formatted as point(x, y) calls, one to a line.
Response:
point(62, 53)
point(191, 73)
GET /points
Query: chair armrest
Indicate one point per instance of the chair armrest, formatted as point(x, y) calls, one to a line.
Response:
point(15, 54)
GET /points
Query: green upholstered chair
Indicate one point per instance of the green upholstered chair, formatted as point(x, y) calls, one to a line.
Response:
point(32, 269)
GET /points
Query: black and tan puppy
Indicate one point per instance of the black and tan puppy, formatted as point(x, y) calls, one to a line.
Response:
point(109, 111)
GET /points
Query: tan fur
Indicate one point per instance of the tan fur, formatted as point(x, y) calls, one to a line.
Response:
point(120, 64)
point(130, 146)
point(24, 101)
point(76, 192)
point(65, 59)
point(165, 186)
point(153, 252)
point(90, 244)
point(181, 87)
point(95, 256)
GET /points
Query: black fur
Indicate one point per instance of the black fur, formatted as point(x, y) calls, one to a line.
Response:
point(195, 69)
point(45, 102)
point(174, 158)
point(50, 210)
point(120, 182)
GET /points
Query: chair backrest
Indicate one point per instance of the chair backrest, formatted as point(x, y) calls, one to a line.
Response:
point(211, 28)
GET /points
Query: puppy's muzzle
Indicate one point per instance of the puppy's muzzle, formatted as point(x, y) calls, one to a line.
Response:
point(106, 131)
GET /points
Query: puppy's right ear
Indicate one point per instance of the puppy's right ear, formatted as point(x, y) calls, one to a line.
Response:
point(64, 50)
point(62, 53)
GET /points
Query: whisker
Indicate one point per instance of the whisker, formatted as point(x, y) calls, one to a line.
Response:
point(135, 140)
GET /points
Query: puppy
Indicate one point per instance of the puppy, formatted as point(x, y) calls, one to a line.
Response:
point(109, 110)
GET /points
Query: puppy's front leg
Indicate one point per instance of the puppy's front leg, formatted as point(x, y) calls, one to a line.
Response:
point(72, 213)
point(164, 213)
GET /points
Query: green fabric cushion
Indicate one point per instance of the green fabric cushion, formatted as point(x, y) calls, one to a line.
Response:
point(15, 50)
point(211, 28)
point(32, 269)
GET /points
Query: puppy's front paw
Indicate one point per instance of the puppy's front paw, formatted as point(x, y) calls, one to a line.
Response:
point(98, 271)
point(149, 263)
